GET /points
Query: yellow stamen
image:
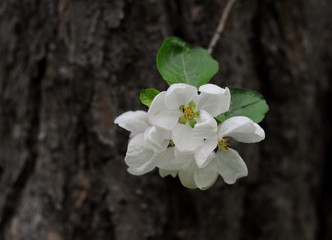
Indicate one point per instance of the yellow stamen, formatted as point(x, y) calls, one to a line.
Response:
point(188, 112)
point(223, 144)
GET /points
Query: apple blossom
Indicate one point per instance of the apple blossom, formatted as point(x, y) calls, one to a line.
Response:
point(187, 114)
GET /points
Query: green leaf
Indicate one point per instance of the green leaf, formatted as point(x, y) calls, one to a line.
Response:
point(245, 102)
point(179, 62)
point(147, 95)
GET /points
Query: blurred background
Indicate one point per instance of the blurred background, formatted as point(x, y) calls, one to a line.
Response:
point(68, 68)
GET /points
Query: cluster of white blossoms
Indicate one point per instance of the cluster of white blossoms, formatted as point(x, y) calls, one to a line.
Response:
point(180, 135)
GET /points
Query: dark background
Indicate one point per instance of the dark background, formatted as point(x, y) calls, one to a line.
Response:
point(68, 68)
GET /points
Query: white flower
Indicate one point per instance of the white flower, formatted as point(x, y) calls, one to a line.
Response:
point(194, 172)
point(228, 162)
point(189, 115)
point(240, 128)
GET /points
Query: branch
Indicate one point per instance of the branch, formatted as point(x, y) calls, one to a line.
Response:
point(221, 25)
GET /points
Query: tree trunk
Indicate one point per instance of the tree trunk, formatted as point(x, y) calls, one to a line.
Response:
point(68, 68)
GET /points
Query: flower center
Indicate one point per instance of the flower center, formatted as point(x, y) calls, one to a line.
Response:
point(188, 114)
point(223, 144)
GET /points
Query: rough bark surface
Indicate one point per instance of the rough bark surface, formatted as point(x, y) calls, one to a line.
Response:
point(68, 68)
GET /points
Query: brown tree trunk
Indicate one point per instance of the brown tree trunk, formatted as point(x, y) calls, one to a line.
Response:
point(68, 68)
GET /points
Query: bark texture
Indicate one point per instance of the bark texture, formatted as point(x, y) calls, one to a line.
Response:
point(68, 68)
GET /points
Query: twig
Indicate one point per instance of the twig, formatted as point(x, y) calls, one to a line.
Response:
point(221, 25)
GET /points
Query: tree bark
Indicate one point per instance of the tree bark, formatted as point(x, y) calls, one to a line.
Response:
point(68, 68)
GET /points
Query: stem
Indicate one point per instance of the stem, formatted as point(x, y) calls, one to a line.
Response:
point(221, 25)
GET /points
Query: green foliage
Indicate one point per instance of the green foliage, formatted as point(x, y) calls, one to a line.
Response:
point(179, 62)
point(245, 102)
point(147, 95)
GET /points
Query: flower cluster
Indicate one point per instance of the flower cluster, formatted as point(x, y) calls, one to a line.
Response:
point(180, 135)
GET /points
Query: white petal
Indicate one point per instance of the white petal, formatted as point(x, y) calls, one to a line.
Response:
point(164, 158)
point(164, 173)
point(143, 169)
point(179, 161)
point(213, 99)
point(151, 163)
point(154, 140)
point(160, 116)
point(230, 165)
point(184, 138)
point(205, 177)
point(134, 121)
point(186, 177)
point(242, 129)
point(206, 126)
point(179, 94)
point(259, 133)
point(179, 154)
point(137, 155)
point(202, 153)
point(165, 133)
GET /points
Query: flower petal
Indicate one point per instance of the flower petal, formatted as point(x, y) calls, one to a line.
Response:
point(160, 116)
point(242, 129)
point(165, 133)
point(230, 165)
point(206, 126)
point(142, 169)
point(155, 140)
point(134, 121)
point(137, 155)
point(176, 161)
point(184, 138)
point(213, 99)
point(205, 177)
point(186, 177)
point(179, 94)
point(203, 152)
point(165, 158)
point(164, 173)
